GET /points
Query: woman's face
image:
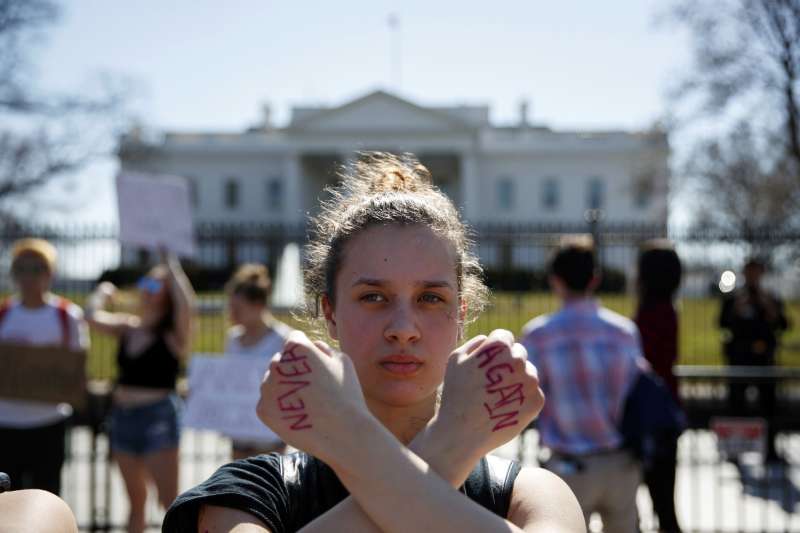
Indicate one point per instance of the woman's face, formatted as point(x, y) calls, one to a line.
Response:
point(32, 274)
point(396, 312)
point(243, 311)
point(153, 292)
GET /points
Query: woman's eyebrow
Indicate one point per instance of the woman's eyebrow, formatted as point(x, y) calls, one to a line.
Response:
point(369, 281)
point(436, 284)
point(426, 284)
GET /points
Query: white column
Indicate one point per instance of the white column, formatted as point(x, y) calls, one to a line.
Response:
point(470, 187)
point(294, 188)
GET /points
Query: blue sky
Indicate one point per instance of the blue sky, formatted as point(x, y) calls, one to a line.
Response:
point(203, 65)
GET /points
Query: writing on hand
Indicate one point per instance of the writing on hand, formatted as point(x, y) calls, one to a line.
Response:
point(293, 366)
point(500, 391)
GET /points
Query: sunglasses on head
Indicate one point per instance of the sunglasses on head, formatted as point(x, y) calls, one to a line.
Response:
point(150, 285)
point(35, 269)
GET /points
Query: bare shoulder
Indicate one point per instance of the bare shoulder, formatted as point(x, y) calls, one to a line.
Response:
point(215, 519)
point(35, 511)
point(541, 501)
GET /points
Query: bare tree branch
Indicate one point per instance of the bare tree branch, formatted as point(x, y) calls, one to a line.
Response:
point(746, 76)
point(46, 136)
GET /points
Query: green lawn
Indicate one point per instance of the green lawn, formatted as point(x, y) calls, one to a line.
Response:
point(699, 337)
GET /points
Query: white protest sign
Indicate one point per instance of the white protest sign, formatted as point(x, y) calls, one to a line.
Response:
point(223, 394)
point(155, 211)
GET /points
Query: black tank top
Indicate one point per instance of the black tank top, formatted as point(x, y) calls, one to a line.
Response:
point(287, 492)
point(155, 367)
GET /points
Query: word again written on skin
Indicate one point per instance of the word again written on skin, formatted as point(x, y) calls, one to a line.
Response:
point(502, 394)
point(293, 366)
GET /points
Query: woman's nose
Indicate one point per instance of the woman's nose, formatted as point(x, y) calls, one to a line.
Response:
point(402, 326)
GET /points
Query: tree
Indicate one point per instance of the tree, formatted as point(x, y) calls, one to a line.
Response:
point(743, 190)
point(744, 87)
point(44, 136)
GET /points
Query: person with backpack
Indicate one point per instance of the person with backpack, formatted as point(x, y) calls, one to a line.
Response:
point(32, 434)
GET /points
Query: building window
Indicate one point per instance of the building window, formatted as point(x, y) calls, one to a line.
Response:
point(596, 197)
point(275, 194)
point(231, 193)
point(194, 194)
point(642, 193)
point(505, 193)
point(550, 194)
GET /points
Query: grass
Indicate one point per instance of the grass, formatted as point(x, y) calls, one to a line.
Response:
point(700, 342)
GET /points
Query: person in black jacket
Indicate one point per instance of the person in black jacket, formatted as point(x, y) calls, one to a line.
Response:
point(753, 319)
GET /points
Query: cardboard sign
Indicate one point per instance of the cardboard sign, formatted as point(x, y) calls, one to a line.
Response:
point(223, 394)
point(155, 211)
point(47, 374)
point(736, 436)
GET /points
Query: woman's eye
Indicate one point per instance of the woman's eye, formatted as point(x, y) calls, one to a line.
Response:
point(372, 297)
point(431, 298)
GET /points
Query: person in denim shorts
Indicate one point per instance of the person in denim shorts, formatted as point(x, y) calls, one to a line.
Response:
point(144, 421)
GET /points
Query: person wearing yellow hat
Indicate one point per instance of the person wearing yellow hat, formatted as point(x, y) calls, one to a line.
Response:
point(32, 434)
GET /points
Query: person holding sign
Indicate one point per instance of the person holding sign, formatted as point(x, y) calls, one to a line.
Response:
point(396, 426)
point(255, 332)
point(144, 427)
point(32, 434)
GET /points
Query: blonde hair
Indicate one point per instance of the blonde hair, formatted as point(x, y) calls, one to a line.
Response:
point(382, 189)
point(38, 247)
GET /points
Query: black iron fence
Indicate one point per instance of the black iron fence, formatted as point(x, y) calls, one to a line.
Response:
point(715, 491)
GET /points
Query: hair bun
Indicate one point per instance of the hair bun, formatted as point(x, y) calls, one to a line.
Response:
point(382, 172)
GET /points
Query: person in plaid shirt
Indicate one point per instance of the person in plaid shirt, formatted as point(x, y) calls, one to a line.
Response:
point(588, 357)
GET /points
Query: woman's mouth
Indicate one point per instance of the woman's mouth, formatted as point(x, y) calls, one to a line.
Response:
point(401, 365)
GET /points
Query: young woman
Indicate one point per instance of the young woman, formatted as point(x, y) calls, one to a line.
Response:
point(401, 418)
point(659, 277)
point(255, 332)
point(144, 428)
point(32, 434)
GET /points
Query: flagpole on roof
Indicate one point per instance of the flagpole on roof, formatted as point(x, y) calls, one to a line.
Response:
point(396, 54)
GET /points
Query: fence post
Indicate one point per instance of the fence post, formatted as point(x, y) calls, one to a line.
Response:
point(593, 217)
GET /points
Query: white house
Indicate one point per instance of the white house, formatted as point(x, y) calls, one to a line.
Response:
point(516, 174)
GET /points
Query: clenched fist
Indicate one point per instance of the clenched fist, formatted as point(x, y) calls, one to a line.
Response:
point(491, 393)
point(310, 396)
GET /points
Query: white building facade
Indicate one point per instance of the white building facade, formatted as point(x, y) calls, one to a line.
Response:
point(520, 174)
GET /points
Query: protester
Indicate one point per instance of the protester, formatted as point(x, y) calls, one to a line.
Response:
point(588, 358)
point(753, 319)
point(144, 426)
point(255, 333)
point(390, 265)
point(659, 277)
point(32, 434)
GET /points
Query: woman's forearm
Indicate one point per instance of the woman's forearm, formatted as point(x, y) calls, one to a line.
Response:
point(181, 286)
point(442, 457)
point(399, 492)
point(184, 298)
